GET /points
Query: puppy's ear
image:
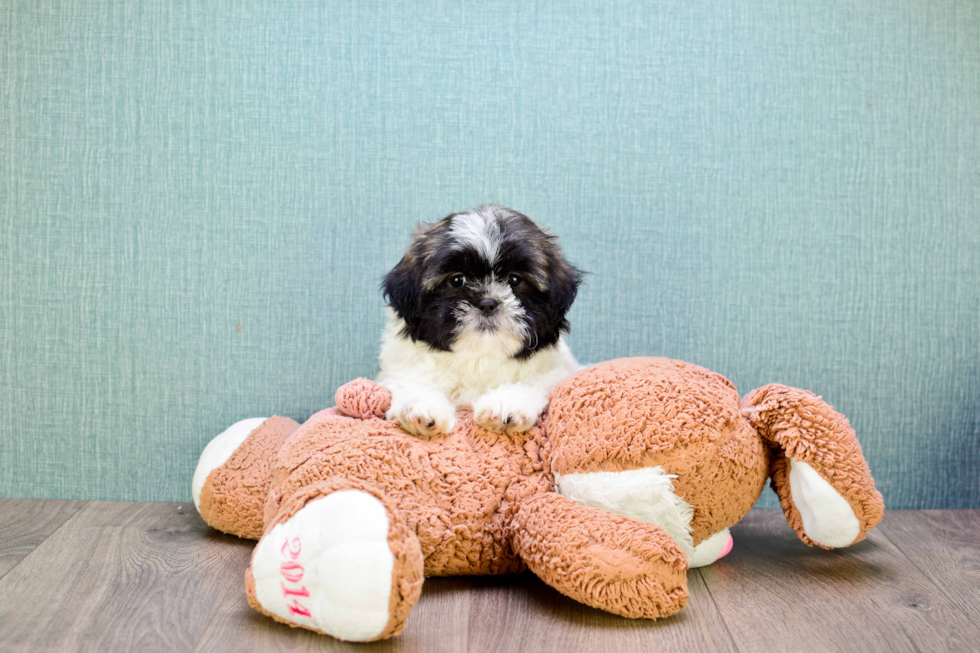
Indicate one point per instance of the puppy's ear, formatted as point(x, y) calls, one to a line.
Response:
point(402, 288)
point(562, 288)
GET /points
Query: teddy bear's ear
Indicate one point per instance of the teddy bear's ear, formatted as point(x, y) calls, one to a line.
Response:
point(818, 470)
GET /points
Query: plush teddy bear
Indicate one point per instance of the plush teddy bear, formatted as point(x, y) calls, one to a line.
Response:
point(634, 473)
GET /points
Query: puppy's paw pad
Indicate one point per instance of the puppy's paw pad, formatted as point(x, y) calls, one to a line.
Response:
point(425, 418)
point(504, 422)
point(507, 414)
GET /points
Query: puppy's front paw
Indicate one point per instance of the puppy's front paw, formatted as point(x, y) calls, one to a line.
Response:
point(509, 409)
point(425, 415)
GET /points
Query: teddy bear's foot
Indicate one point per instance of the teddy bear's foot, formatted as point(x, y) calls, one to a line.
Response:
point(338, 560)
point(218, 451)
point(828, 518)
point(234, 472)
point(711, 550)
point(822, 479)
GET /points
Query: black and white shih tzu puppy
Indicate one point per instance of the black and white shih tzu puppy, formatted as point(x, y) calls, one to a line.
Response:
point(476, 317)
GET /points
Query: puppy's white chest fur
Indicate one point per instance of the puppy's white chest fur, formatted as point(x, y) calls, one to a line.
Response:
point(505, 393)
point(468, 373)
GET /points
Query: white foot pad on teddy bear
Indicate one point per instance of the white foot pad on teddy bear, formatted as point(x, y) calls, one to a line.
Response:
point(329, 567)
point(828, 518)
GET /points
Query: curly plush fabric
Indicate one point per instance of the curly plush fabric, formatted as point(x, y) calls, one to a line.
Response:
point(456, 491)
point(801, 426)
point(630, 568)
point(233, 497)
point(363, 399)
point(480, 502)
point(636, 413)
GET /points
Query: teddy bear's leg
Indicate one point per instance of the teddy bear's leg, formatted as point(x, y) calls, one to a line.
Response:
point(822, 479)
point(646, 494)
point(234, 473)
point(338, 559)
point(611, 562)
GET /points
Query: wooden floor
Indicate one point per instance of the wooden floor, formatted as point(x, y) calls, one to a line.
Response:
point(96, 576)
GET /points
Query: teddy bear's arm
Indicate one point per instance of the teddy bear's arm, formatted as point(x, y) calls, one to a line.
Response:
point(818, 470)
point(363, 399)
point(234, 474)
point(608, 561)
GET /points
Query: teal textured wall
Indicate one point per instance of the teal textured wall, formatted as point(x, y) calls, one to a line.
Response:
point(198, 200)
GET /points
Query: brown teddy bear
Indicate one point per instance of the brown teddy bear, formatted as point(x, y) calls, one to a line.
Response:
point(633, 474)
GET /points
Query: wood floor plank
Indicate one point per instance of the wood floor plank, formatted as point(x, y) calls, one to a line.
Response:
point(523, 614)
point(121, 577)
point(945, 546)
point(25, 523)
point(438, 624)
point(490, 614)
point(776, 594)
point(148, 577)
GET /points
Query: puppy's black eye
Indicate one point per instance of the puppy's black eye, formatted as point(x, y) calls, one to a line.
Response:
point(514, 280)
point(457, 281)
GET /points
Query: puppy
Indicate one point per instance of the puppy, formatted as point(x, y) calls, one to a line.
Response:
point(476, 317)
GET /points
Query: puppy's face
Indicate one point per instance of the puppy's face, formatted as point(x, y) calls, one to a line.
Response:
point(486, 282)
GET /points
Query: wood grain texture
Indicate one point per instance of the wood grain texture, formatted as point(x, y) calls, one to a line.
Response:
point(439, 623)
point(152, 577)
point(121, 577)
point(491, 614)
point(945, 546)
point(776, 594)
point(530, 616)
point(24, 524)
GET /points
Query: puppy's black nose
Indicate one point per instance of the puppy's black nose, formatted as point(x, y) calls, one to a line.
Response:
point(487, 305)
